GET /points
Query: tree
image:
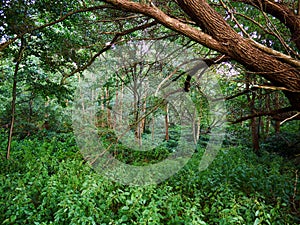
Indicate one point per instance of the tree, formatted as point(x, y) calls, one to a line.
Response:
point(216, 33)
point(261, 35)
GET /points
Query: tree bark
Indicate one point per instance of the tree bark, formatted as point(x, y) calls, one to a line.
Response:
point(268, 119)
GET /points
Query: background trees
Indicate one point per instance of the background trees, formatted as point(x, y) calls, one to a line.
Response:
point(65, 38)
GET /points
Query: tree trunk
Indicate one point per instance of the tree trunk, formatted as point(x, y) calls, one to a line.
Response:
point(14, 96)
point(30, 105)
point(107, 102)
point(255, 135)
point(119, 104)
point(153, 128)
point(254, 124)
point(167, 121)
point(277, 106)
point(254, 127)
point(137, 110)
point(196, 126)
point(268, 119)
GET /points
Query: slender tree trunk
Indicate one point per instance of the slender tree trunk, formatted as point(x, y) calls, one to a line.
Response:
point(255, 134)
point(109, 120)
point(268, 119)
point(254, 123)
point(259, 119)
point(101, 117)
point(14, 96)
point(120, 106)
point(196, 126)
point(117, 103)
point(137, 109)
point(144, 121)
point(30, 104)
point(268, 124)
point(13, 110)
point(277, 106)
point(153, 128)
point(167, 121)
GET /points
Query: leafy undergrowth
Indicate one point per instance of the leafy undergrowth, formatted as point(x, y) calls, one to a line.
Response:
point(47, 182)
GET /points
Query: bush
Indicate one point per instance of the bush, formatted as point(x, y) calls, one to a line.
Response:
point(285, 144)
point(47, 182)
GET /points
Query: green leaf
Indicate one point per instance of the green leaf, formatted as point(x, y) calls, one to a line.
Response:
point(125, 208)
point(256, 222)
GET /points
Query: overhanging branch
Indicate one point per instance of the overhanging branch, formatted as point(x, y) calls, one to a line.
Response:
point(270, 113)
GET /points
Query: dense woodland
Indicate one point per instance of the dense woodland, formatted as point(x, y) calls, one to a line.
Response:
point(241, 93)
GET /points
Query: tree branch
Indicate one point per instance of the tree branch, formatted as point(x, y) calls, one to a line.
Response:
point(169, 22)
point(107, 47)
point(7, 43)
point(270, 113)
point(281, 12)
point(280, 55)
point(290, 118)
point(283, 57)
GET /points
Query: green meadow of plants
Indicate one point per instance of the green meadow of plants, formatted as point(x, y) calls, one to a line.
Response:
point(46, 181)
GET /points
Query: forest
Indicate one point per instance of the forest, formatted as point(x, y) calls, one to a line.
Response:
point(149, 112)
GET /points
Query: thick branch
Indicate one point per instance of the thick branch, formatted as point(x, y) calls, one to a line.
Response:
point(283, 57)
point(244, 51)
point(172, 23)
point(281, 12)
point(258, 114)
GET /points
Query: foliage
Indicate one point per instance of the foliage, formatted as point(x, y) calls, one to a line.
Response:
point(47, 182)
point(286, 143)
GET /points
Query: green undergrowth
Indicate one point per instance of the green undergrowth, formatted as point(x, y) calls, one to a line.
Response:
point(46, 181)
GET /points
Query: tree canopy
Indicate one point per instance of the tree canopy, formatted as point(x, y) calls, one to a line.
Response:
point(48, 42)
point(67, 36)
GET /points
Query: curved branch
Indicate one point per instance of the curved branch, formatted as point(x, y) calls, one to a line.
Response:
point(288, 59)
point(281, 12)
point(285, 58)
point(172, 23)
point(270, 113)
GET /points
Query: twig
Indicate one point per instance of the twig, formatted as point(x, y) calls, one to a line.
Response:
point(290, 118)
point(273, 88)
